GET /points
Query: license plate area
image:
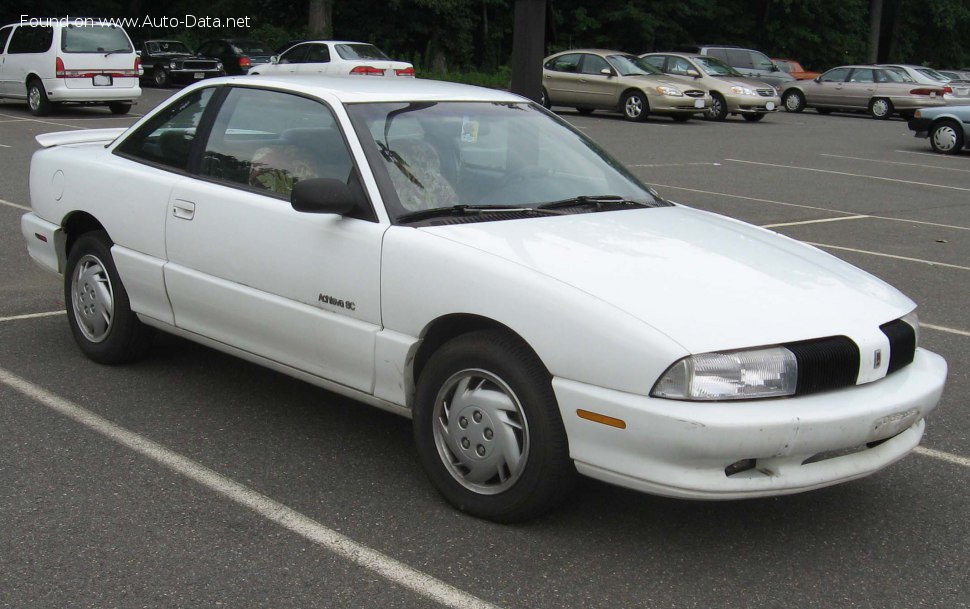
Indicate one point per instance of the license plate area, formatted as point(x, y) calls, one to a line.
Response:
point(199, 75)
point(102, 80)
point(698, 103)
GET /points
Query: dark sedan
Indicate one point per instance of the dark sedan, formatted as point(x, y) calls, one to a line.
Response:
point(237, 54)
point(168, 61)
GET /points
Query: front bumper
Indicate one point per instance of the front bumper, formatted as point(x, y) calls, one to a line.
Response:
point(682, 449)
point(668, 104)
point(181, 75)
point(751, 104)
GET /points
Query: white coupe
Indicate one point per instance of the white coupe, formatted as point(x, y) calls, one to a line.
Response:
point(463, 257)
point(334, 58)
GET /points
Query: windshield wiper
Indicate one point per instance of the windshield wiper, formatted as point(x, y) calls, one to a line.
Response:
point(116, 51)
point(461, 210)
point(597, 201)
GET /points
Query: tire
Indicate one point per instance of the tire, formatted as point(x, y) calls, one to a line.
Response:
point(584, 111)
point(507, 407)
point(37, 100)
point(824, 110)
point(718, 110)
point(681, 118)
point(946, 137)
point(794, 101)
point(544, 99)
point(98, 310)
point(880, 108)
point(119, 107)
point(161, 78)
point(753, 118)
point(635, 106)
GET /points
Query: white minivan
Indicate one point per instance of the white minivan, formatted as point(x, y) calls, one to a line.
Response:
point(57, 61)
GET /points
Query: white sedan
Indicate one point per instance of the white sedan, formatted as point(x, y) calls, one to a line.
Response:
point(463, 257)
point(334, 58)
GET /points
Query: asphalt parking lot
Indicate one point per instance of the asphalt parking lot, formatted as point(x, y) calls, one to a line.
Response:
point(196, 479)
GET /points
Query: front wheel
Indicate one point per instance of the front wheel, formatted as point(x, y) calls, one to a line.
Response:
point(718, 110)
point(161, 78)
point(946, 137)
point(794, 101)
point(488, 430)
point(98, 310)
point(881, 108)
point(753, 118)
point(635, 106)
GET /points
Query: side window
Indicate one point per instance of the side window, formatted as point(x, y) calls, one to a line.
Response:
point(760, 61)
point(862, 75)
point(679, 66)
point(168, 137)
point(656, 61)
point(319, 53)
point(739, 58)
point(28, 39)
point(269, 141)
point(593, 64)
point(565, 63)
point(295, 55)
point(719, 54)
point(4, 35)
point(835, 75)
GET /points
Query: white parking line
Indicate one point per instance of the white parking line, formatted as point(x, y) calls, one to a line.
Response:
point(9, 204)
point(839, 219)
point(32, 316)
point(34, 120)
point(5, 146)
point(920, 260)
point(853, 175)
point(944, 329)
point(932, 154)
point(856, 158)
point(364, 556)
point(942, 456)
point(675, 165)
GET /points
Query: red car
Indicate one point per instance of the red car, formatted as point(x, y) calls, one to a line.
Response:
point(795, 69)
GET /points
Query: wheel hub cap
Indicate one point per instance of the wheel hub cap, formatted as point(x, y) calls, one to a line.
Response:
point(34, 98)
point(945, 138)
point(634, 107)
point(93, 299)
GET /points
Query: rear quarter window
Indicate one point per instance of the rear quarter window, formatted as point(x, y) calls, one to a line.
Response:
point(27, 39)
point(4, 36)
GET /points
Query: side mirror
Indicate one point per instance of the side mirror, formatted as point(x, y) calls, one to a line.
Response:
point(322, 196)
point(693, 72)
point(275, 59)
point(818, 78)
point(606, 72)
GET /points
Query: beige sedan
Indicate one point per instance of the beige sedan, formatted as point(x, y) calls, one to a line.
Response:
point(731, 92)
point(595, 79)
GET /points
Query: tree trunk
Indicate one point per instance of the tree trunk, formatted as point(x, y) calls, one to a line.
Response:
point(528, 47)
point(321, 18)
point(875, 23)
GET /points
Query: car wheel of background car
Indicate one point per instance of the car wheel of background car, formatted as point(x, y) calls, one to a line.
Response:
point(161, 77)
point(37, 99)
point(98, 311)
point(544, 99)
point(718, 110)
point(584, 111)
point(753, 118)
point(635, 106)
point(119, 107)
point(824, 110)
point(681, 118)
point(794, 101)
point(488, 430)
point(946, 137)
point(881, 108)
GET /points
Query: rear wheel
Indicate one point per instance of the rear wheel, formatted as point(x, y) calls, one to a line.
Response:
point(718, 110)
point(794, 101)
point(119, 107)
point(880, 108)
point(946, 137)
point(544, 99)
point(635, 106)
point(753, 118)
point(98, 310)
point(37, 99)
point(488, 430)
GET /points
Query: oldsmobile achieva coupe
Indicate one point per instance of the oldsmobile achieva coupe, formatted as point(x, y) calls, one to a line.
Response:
point(463, 257)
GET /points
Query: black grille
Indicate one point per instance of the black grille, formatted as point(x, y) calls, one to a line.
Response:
point(694, 93)
point(825, 363)
point(766, 92)
point(902, 344)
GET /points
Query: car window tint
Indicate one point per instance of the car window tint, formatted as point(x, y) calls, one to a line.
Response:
point(565, 63)
point(295, 55)
point(739, 58)
point(27, 39)
point(269, 141)
point(94, 39)
point(167, 138)
point(863, 75)
point(835, 75)
point(319, 53)
point(4, 35)
point(593, 64)
point(679, 66)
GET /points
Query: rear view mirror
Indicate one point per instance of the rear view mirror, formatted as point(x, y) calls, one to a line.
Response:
point(322, 196)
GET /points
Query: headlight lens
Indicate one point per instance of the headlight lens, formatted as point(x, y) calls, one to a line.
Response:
point(742, 91)
point(669, 91)
point(172, 65)
point(219, 66)
point(913, 320)
point(734, 375)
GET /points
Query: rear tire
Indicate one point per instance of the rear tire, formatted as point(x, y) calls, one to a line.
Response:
point(635, 106)
point(794, 101)
point(488, 430)
point(37, 100)
point(544, 99)
point(880, 108)
point(119, 107)
point(98, 310)
point(946, 137)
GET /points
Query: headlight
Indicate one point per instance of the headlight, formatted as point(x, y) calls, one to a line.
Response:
point(913, 320)
point(742, 91)
point(219, 65)
point(173, 65)
point(733, 375)
point(669, 91)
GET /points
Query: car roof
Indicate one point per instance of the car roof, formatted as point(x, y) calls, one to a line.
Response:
point(357, 89)
point(595, 51)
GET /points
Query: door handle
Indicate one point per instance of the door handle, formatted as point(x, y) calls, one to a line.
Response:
point(184, 210)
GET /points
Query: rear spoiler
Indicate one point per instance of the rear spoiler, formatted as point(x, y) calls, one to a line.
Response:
point(62, 138)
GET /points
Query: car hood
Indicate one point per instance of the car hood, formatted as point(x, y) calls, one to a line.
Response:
point(745, 81)
point(706, 281)
point(654, 80)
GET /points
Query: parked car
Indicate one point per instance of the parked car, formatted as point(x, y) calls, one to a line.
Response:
point(238, 55)
point(334, 57)
point(948, 129)
point(286, 45)
point(596, 79)
point(960, 75)
point(60, 63)
point(456, 255)
point(731, 93)
point(168, 61)
point(795, 69)
point(955, 94)
point(748, 62)
point(881, 90)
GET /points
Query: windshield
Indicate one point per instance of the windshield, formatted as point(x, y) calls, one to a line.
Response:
point(250, 47)
point(169, 46)
point(94, 39)
point(360, 51)
point(428, 155)
point(715, 67)
point(631, 65)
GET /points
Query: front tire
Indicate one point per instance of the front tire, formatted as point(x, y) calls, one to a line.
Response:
point(794, 101)
point(718, 110)
point(946, 137)
point(488, 430)
point(37, 99)
point(635, 106)
point(98, 310)
point(880, 108)
point(162, 78)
